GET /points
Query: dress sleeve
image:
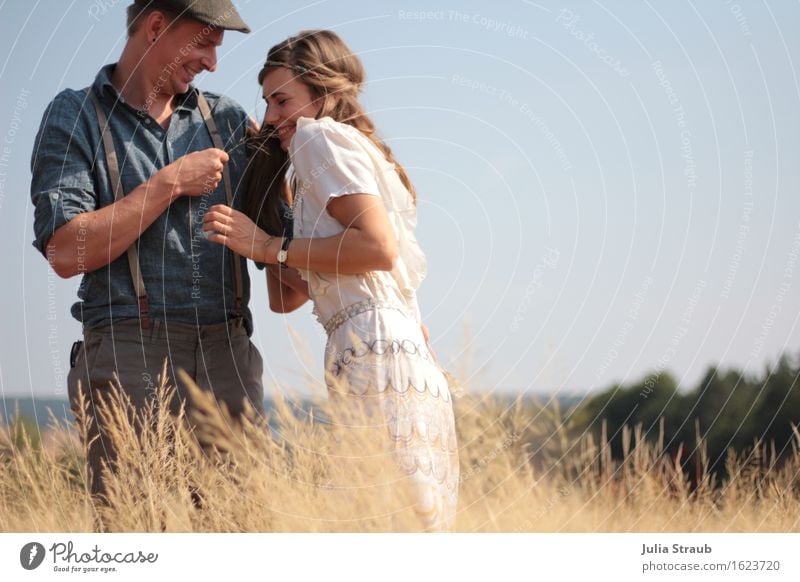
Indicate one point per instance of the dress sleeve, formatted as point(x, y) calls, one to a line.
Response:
point(330, 162)
point(62, 185)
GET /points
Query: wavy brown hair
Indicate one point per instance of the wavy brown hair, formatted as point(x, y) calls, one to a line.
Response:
point(337, 78)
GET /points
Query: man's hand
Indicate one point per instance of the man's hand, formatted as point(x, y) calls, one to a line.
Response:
point(194, 174)
point(103, 235)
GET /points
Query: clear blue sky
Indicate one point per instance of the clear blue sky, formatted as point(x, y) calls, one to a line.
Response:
point(606, 188)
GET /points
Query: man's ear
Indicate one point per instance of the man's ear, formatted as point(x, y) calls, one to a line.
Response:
point(156, 24)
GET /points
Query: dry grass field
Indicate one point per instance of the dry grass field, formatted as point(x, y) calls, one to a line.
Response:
point(522, 470)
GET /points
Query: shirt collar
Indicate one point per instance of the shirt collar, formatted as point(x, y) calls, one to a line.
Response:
point(104, 88)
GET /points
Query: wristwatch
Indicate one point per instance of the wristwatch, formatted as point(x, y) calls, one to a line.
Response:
point(283, 254)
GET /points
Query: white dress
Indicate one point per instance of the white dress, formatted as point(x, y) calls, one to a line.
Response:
point(376, 352)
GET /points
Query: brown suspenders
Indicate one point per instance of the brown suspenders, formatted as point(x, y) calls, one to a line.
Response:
point(116, 184)
point(205, 110)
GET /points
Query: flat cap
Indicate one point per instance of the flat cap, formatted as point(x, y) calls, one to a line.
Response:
point(218, 13)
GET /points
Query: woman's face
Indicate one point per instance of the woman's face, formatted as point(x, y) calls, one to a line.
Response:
point(288, 99)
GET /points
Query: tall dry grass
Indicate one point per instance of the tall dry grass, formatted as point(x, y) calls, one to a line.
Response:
point(521, 470)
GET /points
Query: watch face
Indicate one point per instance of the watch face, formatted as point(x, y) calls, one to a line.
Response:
point(282, 256)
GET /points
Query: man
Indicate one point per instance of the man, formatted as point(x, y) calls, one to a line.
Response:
point(122, 175)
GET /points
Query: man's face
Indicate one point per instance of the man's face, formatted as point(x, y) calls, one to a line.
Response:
point(185, 48)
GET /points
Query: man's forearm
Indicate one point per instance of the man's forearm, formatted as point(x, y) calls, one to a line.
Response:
point(94, 239)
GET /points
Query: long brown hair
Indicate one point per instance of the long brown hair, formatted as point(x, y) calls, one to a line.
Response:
point(331, 71)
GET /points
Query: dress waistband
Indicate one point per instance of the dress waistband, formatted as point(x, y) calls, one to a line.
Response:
point(358, 308)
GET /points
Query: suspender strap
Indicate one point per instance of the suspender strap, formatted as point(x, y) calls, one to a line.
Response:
point(116, 184)
point(226, 178)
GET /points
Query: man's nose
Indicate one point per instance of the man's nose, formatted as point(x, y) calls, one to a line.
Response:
point(209, 60)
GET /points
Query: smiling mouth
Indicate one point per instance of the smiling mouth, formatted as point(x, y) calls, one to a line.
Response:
point(284, 131)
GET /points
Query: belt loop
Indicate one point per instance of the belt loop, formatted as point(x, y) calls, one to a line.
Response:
point(154, 329)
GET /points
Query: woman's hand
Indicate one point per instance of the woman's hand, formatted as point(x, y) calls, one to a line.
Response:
point(426, 334)
point(236, 231)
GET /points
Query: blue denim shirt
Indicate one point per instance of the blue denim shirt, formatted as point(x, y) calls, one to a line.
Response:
point(188, 279)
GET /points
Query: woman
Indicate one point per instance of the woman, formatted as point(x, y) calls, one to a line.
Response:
point(351, 249)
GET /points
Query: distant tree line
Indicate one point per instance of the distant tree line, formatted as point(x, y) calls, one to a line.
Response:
point(726, 410)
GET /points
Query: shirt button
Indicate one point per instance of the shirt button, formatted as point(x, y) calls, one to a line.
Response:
point(54, 195)
point(147, 121)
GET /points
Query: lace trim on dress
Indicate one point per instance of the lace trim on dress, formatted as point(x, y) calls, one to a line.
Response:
point(363, 371)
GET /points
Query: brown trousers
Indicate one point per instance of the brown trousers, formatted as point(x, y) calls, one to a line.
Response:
point(219, 357)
